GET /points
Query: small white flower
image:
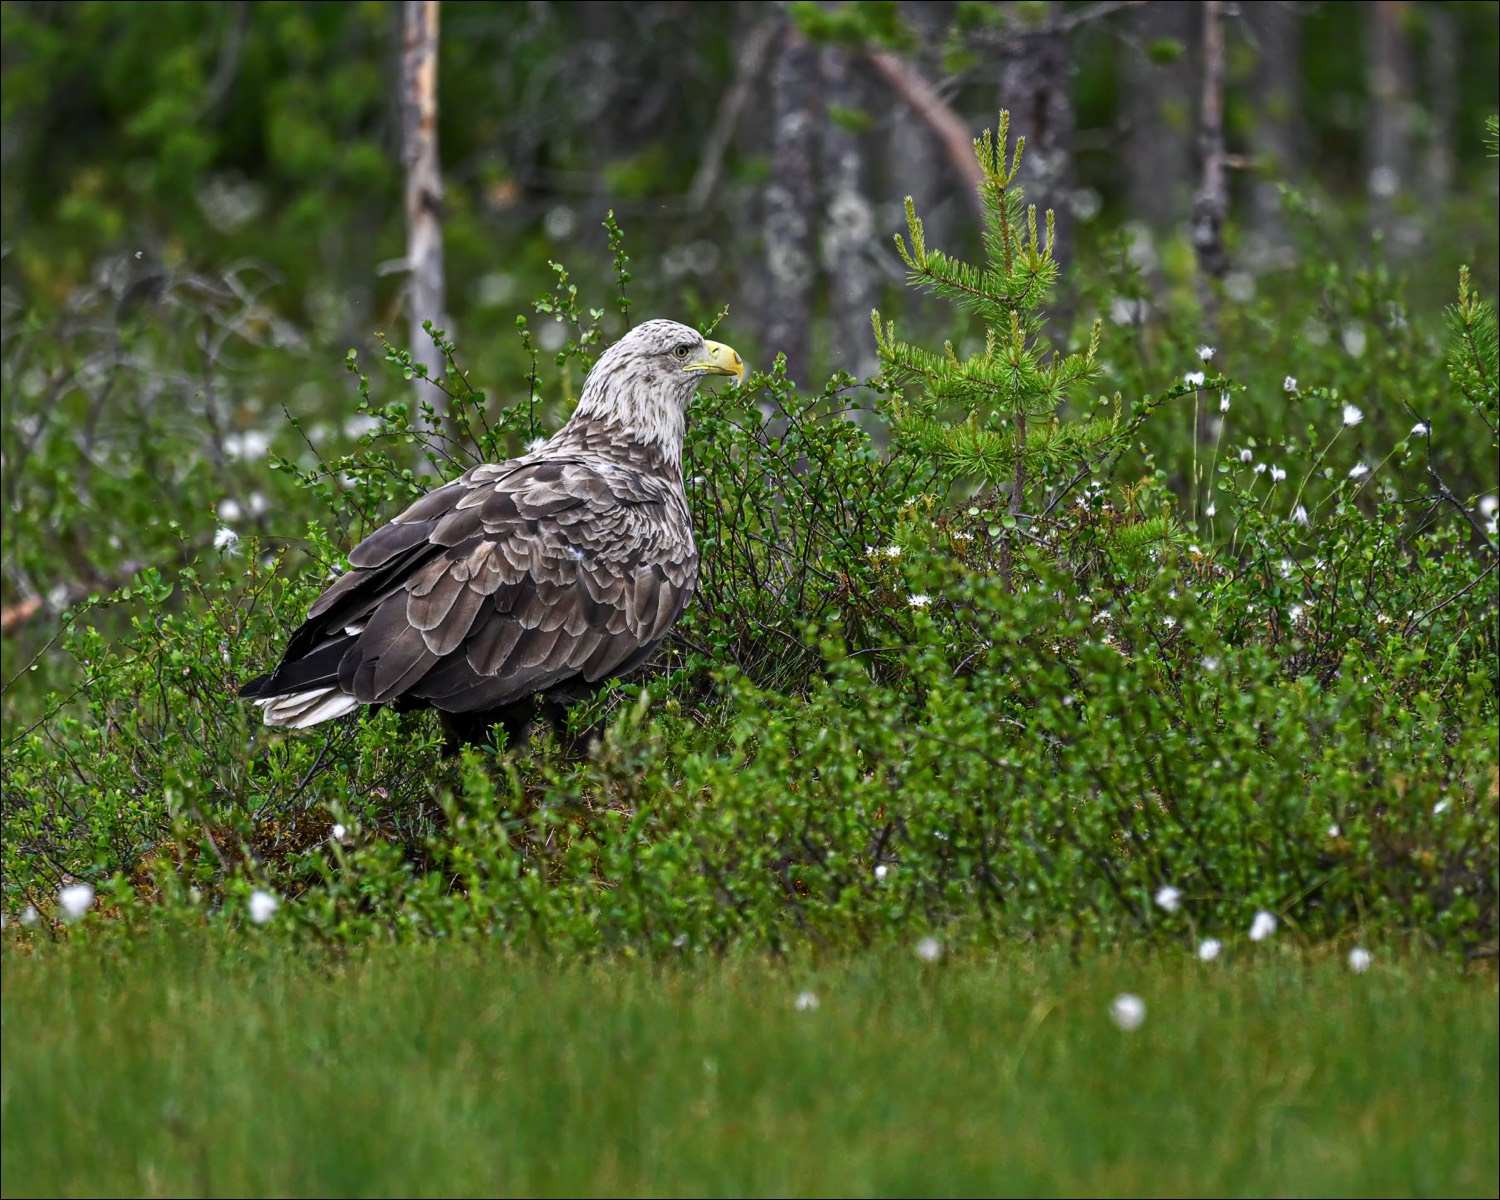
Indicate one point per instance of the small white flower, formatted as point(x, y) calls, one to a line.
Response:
point(263, 906)
point(1211, 664)
point(1440, 808)
point(1194, 378)
point(225, 539)
point(893, 551)
point(1127, 1012)
point(1168, 898)
point(1358, 471)
point(338, 832)
point(1205, 352)
point(1294, 613)
point(680, 940)
point(1210, 510)
point(1277, 474)
point(1208, 949)
point(1420, 429)
point(1263, 926)
point(230, 510)
point(1334, 830)
point(1247, 455)
point(75, 900)
point(30, 917)
point(881, 871)
point(1359, 960)
point(1289, 384)
point(1352, 416)
point(1223, 401)
point(929, 949)
point(919, 600)
point(1260, 468)
point(806, 1001)
point(1299, 515)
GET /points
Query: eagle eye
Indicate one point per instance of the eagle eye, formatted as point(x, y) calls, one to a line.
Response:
point(681, 351)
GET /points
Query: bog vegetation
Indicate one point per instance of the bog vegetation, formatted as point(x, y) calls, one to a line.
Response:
point(1043, 632)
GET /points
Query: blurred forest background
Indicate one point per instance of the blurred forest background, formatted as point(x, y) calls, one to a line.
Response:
point(235, 172)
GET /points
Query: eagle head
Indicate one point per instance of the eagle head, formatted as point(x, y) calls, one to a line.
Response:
point(641, 386)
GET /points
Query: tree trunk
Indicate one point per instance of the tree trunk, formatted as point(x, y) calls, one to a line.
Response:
point(1390, 153)
point(1036, 86)
point(791, 202)
point(1276, 29)
point(1442, 71)
point(1211, 204)
point(1158, 108)
point(848, 221)
point(424, 189)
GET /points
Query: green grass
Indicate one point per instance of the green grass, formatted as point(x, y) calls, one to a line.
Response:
point(161, 1070)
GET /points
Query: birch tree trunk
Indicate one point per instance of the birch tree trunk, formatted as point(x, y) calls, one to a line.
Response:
point(1277, 96)
point(424, 189)
point(791, 202)
point(1158, 107)
point(1036, 86)
point(1390, 157)
point(1211, 205)
point(848, 221)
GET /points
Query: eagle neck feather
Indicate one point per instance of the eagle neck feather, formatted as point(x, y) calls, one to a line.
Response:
point(622, 410)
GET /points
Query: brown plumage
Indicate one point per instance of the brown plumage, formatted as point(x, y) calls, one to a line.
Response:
point(539, 577)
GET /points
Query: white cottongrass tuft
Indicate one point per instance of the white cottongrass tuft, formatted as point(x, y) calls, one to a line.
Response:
point(1359, 960)
point(338, 832)
point(1168, 898)
point(30, 917)
point(263, 906)
point(226, 539)
point(1127, 1012)
point(1208, 949)
point(1289, 384)
point(1358, 471)
point(805, 1001)
point(881, 871)
point(1194, 378)
point(75, 900)
point(919, 600)
point(1211, 509)
point(1205, 352)
point(1352, 416)
point(929, 949)
point(1263, 926)
point(230, 510)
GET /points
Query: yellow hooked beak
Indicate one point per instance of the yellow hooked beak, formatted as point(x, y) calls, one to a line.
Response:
point(718, 359)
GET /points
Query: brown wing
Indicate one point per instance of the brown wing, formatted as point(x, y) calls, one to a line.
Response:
point(514, 579)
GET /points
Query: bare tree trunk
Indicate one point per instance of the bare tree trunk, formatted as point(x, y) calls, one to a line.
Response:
point(1158, 110)
point(1442, 71)
point(1211, 205)
point(1390, 111)
point(1276, 88)
point(1036, 86)
point(424, 188)
point(791, 201)
point(848, 221)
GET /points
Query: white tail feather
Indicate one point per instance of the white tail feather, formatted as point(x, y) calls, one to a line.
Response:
point(302, 710)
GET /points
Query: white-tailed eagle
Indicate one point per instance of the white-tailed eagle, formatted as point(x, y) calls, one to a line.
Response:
point(542, 576)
